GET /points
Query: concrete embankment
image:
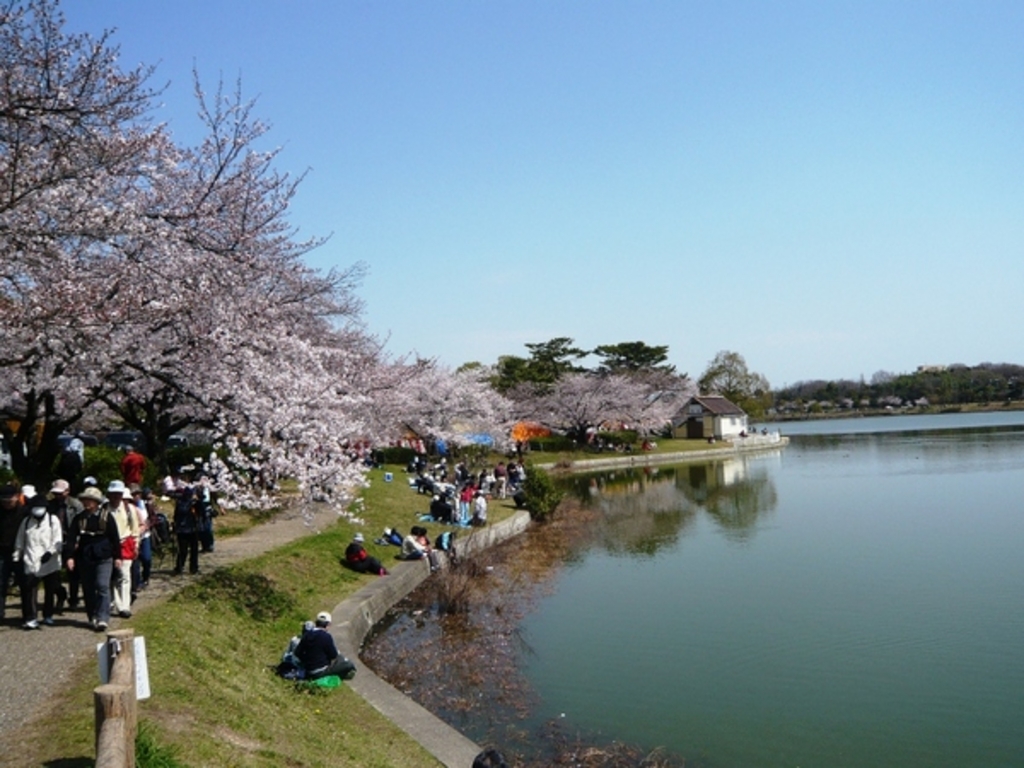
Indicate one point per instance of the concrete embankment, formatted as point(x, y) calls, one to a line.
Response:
point(357, 615)
point(752, 444)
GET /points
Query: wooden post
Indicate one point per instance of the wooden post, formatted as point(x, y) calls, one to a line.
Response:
point(115, 704)
point(112, 705)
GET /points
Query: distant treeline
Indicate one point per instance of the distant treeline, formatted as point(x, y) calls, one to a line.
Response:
point(928, 386)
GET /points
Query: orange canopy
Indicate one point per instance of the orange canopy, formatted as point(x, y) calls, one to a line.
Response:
point(526, 430)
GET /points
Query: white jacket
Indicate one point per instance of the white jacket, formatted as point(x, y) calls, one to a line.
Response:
point(37, 536)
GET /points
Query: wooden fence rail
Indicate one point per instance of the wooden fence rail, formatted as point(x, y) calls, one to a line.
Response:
point(116, 705)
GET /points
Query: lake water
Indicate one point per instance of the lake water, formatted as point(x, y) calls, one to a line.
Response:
point(855, 599)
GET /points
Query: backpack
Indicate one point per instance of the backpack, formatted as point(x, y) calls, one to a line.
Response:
point(161, 528)
point(82, 519)
point(445, 541)
point(186, 518)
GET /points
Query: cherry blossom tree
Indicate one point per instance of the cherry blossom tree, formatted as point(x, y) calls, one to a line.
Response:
point(436, 402)
point(73, 145)
point(163, 284)
point(580, 402)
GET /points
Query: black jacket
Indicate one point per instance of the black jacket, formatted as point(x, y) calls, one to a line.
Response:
point(316, 650)
point(94, 537)
point(10, 520)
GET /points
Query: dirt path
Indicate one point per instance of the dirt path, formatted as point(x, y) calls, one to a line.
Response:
point(35, 666)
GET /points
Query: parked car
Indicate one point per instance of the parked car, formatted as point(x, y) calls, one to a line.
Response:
point(89, 441)
point(177, 441)
point(125, 440)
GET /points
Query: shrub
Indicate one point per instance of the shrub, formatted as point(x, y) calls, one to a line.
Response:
point(621, 437)
point(542, 498)
point(104, 463)
point(553, 444)
point(396, 454)
point(184, 455)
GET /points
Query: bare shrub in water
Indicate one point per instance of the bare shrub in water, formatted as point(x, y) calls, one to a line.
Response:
point(453, 586)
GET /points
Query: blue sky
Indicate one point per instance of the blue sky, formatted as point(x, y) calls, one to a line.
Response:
point(828, 188)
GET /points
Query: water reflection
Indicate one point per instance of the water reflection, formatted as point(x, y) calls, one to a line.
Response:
point(649, 509)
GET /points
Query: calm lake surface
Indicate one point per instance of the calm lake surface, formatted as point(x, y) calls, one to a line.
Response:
point(855, 599)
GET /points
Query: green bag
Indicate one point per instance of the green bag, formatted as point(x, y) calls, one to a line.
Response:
point(327, 681)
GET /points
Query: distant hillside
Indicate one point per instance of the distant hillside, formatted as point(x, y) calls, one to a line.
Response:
point(932, 387)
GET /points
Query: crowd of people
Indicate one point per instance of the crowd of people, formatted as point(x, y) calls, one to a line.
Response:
point(459, 497)
point(94, 549)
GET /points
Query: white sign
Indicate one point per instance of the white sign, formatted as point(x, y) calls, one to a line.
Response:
point(141, 670)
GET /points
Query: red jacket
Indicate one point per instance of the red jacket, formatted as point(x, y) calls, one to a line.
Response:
point(132, 467)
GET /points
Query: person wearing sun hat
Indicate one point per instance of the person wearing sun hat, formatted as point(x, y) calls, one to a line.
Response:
point(96, 551)
point(128, 534)
point(65, 508)
point(319, 655)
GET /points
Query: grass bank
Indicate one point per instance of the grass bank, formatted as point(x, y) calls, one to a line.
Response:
point(216, 702)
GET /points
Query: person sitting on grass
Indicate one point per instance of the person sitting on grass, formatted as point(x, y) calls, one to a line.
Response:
point(319, 655)
point(441, 510)
point(361, 561)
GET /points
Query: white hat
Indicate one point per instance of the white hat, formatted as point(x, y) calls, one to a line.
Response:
point(358, 537)
point(60, 486)
point(116, 486)
point(28, 491)
point(323, 618)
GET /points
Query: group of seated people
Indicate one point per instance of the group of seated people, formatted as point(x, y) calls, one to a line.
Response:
point(460, 497)
point(498, 482)
point(415, 546)
point(463, 501)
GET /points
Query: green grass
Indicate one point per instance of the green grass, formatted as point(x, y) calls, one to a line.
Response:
point(216, 701)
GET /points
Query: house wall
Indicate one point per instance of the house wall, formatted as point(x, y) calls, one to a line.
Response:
point(729, 426)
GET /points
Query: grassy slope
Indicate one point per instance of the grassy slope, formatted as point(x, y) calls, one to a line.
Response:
point(215, 701)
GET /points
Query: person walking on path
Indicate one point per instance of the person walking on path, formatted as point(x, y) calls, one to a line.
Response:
point(127, 521)
point(65, 509)
point(96, 551)
point(38, 547)
point(11, 514)
point(186, 527)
